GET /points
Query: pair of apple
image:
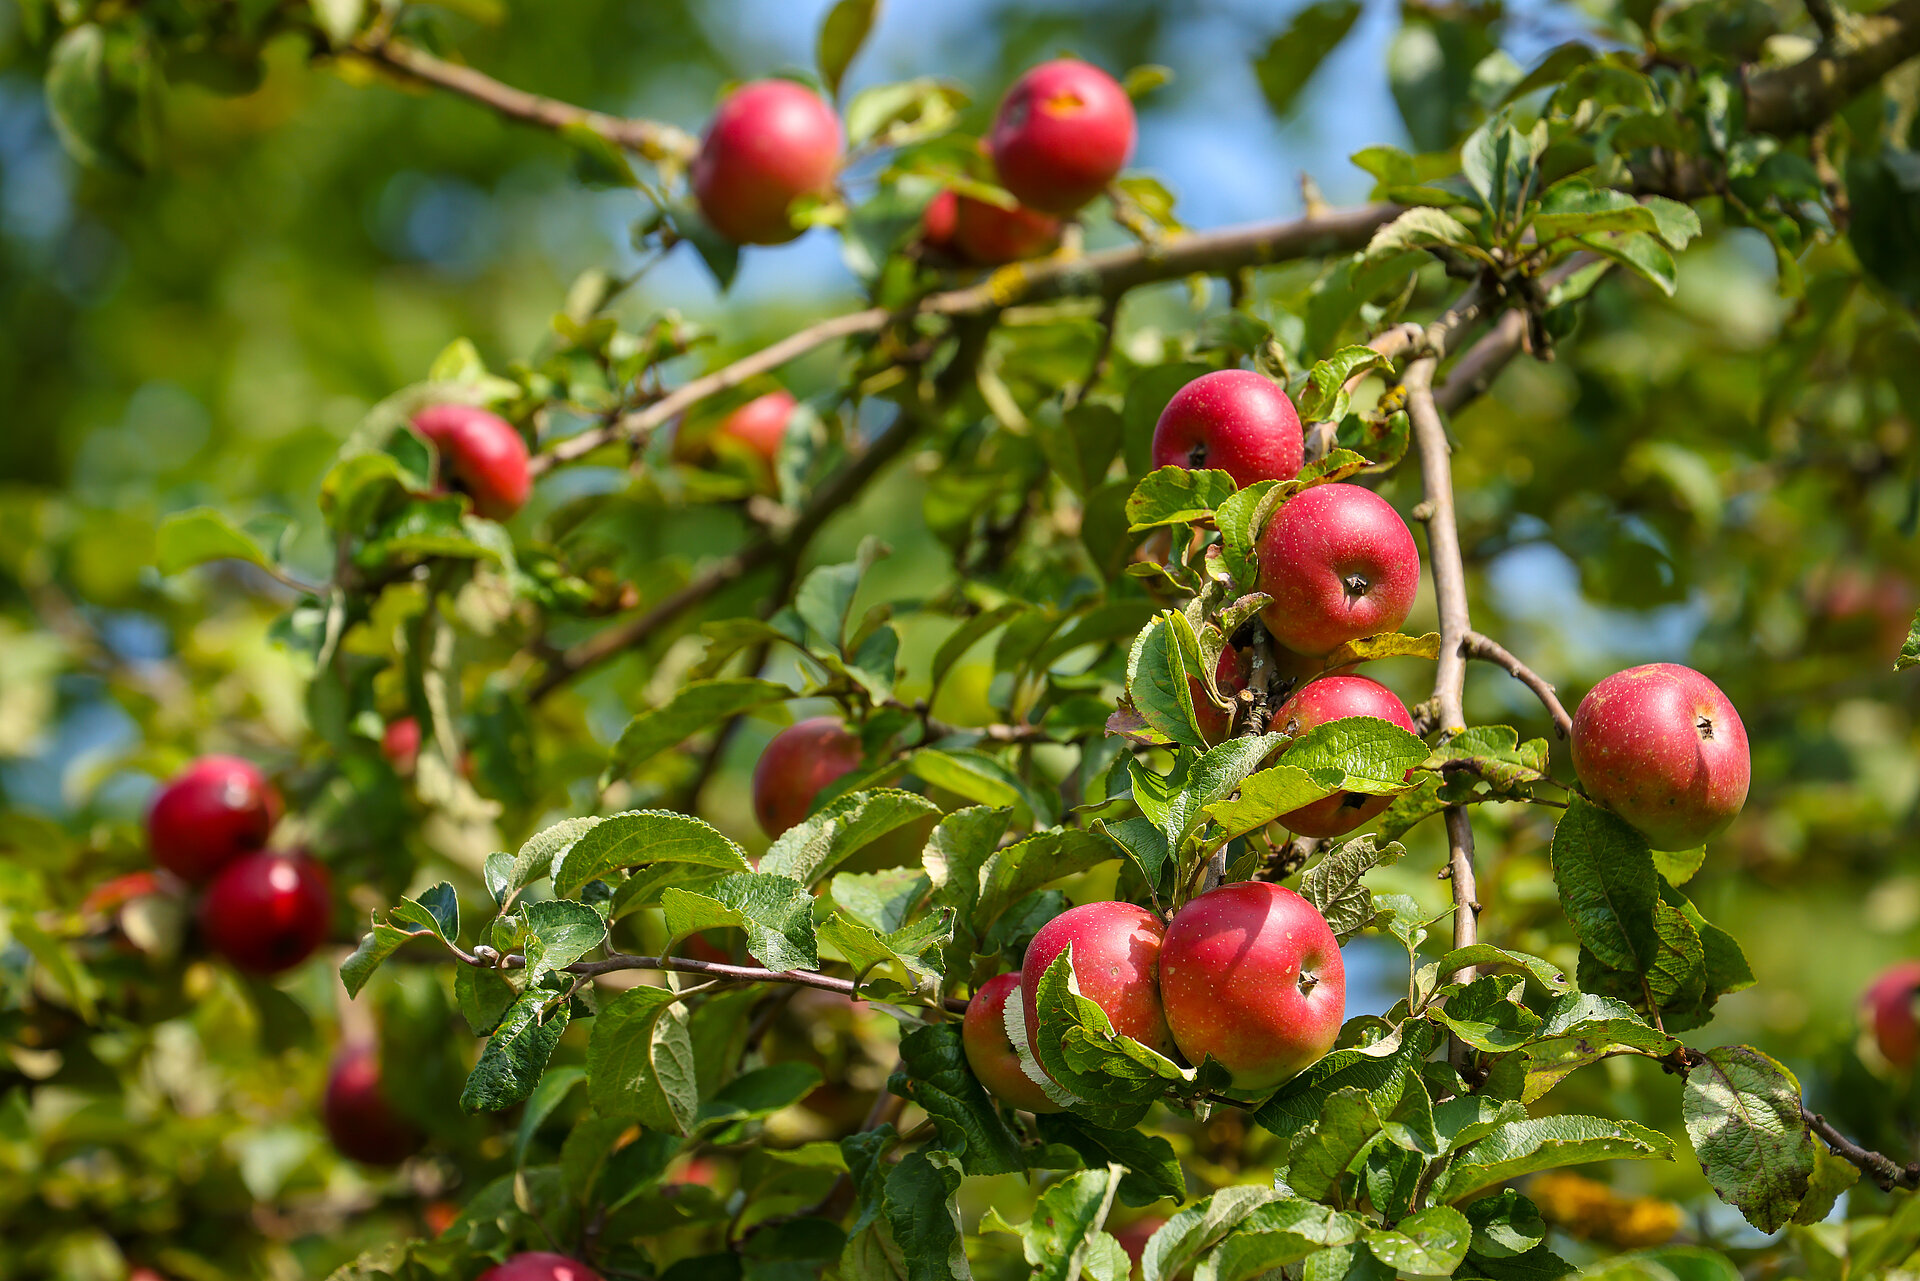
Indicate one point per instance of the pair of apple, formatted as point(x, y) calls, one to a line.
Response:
point(1248, 974)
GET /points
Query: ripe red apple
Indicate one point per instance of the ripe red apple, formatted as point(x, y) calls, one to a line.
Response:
point(1230, 674)
point(359, 1120)
point(1234, 420)
point(1116, 960)
point(1663, 748)
point(1339, 564)
point(761, 423)
point(988, 236)
point(771, 142)
point(540, 1265)
point(216, 809)
point(1333, 698)
point(1134, 1237)
point(268, 911)
point(481, 454)
point(1063, 132)
point(990, 1052)
point(1251, 974)
point(400, 744)
point(937, 222)
point(1889, 1007)
point(800, 760)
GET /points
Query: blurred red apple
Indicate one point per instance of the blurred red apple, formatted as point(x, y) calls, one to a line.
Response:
point(359, 1120)
point(481, 454)
point(771, 142)
point(1062, 133)
point(212, 812)
point(801, 760)
point(267, 912)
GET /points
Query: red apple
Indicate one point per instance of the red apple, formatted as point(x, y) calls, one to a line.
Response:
point(540, 1265)
point(359, 1120)
point(144, 1274)
point(1889, 1007)
point(400, 744)
point(481, 454)
point(801, 760)
point(1339, 564)
point(990, 1052)
point(1333, 698)
point(937, 222)
point(1230, 674)
point(761, 423)
point(268, 911)
point(1234, 420)
point(771, 142)
point(1116, 960)
point(1663, 748)
point(988, 236)
point(1251, 975)
point(212, 812)
point(1063, 132)
point(1134, 1237)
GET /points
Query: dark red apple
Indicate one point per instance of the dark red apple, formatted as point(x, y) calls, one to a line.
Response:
point(988, 236)
point(360, 1121)
point(540, 1265)
point(481, 454)
point(400, 744)
point(771, 142)
point(1333, 698)
point(1116, 960)
point(212, 812)
point(1889, 1007)
point(1063, 132)
point(1230, 674)
point(1339, 564)
point(1251, 975)
point(761, 423)
point(1234, 420)
point(267, 912)
point(800, 760)
point(990, 1052)
point(1663, 748)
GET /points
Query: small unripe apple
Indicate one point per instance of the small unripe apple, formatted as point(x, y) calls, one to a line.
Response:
point(1889, 1007)
point(991, 1053)
point(1234, 420)
point(268, 911)
point(771, 142)
point(1230, 674)
point(988, 236)
point(481, 454)
point(540, 1265)
point(1333, 698)
point(1663, 748)
point(400, 744)
point(360, 1121)
point(212, 812)
point(1340, 564)
point(800, 761)
point(1251, 975)
point(1063, 132)
point(1116, 961)
point(761, 423)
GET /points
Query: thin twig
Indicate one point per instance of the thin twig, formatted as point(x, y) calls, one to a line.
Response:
point(718, 972)
point(1882, 1169)
point(1795, 98)
point(1489, 650)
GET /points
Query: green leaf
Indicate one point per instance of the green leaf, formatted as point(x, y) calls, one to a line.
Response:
point(1675, 223)
point(547, 1096)
point(642, 838)
point(1111, 1079)
point(1267, 795)
point(1380, 1066)
point(1182, 1239)
point(692, 708)
point(973, 775)
point(1347, 1126)
point(1333, 885)
point(1639, 252)
point(1498, 163)
point(842, 32)
point(759, 1093)
point(544, 849)
point(1581, 1028)
point(879, 958)
point(379, 944)
point(516, 1054)
point(934, 1074)
point(484, 997)
point(1152, 1171)
point(923, 1217)
point(1431, 1243)
point(825, 596)
point(1240, 518)
point(1417, 228)
point(1297, 50)
point(640, 1062)
point(1176, 495)
point(1009, 875)
point(1553, 978)
point(93, 109)
point(1144, 841)
point(1743, 1114)
point(812, 849)
point(1065, 1224)
point(775, 911)
point(971, 633)
point(1607, 886)
point(1487, 1014)
point(1545, 1143)
point(1910, 648)
point(1366, 753)
point(1678, 867)
point(1832, 1175)
point(1210, 780)
point(1276, 1234)
point(201, 534)
point(560, 932)
point(1325, 399)
point(1576, 207)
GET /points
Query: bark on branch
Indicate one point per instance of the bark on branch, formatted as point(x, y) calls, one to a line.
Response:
point(1794, 99)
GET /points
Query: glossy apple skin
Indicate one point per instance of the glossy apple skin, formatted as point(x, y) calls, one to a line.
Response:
point(1332, 698)
point(1234, 420)
point(481, 454)
point(1889, 1007)
point(1340, 564)
point(1116, 959)
point(1063, 132)
point(1230, 674)
point(1663, 748)
point(215, 810)
point(267, 912)
point(983, 1035)
point(771, 142)
point(800, 760)
point(361, 1123)
point(540, 1265)
point(761, 423)
point(1251, 974)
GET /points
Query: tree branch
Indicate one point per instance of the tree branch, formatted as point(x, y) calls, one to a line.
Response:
point(1489, 650)
point(1796, 98)
point(657, 142)
point(718, 972)
point(1882, 1169)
